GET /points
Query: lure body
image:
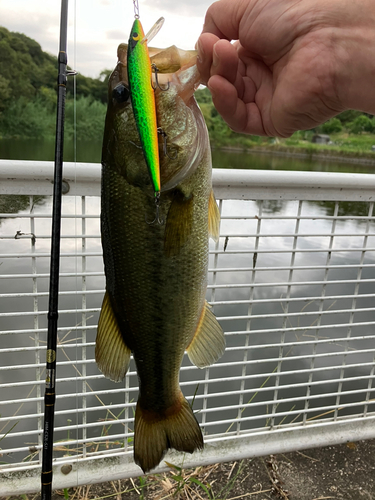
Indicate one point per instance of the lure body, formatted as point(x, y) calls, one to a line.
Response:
point(143, 100)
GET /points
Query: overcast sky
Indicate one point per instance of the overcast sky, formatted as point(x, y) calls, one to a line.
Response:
point(98, 26)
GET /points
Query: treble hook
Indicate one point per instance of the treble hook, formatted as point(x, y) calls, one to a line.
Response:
point(165, 150)
point(157, 219)
point(155, 68)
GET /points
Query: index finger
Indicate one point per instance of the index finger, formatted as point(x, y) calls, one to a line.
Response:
point(223, 18)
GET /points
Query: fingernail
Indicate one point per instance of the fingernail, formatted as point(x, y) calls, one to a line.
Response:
point(199, 48)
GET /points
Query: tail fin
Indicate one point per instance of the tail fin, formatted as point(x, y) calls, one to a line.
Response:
point(155, 433)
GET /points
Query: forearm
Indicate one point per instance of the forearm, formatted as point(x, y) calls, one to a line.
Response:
point(347, 27)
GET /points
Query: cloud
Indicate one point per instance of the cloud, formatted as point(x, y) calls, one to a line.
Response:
point(195, 8)
point(101, 25)
point(42, 27)
point(93, 57)
point(115, 35)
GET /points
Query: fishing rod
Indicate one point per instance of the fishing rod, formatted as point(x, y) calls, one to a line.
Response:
point(50, 395)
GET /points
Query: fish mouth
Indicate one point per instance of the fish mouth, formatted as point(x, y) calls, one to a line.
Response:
point(179, 115)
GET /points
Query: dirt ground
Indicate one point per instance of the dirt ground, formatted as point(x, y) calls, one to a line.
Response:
point(335, 472)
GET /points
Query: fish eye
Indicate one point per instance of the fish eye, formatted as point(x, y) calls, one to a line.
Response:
point(121, 93)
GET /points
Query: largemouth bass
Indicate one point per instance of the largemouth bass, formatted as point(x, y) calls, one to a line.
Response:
point(156, 274)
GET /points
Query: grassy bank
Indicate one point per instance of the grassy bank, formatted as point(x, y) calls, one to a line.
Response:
point(344, 147)
point(352, 135)
point(342, 144)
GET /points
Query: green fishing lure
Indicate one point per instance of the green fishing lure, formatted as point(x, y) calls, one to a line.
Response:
point(142, 96)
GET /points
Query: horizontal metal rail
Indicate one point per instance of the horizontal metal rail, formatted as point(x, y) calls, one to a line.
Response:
point(20, 177)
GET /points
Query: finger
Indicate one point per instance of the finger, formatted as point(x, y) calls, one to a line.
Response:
point(225, 63)
point(204, 47)
point(224, 60)
point(223, 18)
point(240, 116)
point(259, 87)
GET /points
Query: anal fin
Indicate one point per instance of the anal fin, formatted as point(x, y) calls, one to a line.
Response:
point(208, 343)
point(111, 353)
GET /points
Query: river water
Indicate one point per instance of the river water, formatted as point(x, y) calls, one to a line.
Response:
point(90, 151)
point(273, 230)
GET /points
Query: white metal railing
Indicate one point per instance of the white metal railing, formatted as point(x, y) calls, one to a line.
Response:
point(292, 281)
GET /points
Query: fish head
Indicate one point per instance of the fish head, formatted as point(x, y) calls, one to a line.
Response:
point(183, 139)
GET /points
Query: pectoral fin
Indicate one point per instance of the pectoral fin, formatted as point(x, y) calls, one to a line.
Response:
point(213, 218)
point(179, 224)
point(208, 344)
point(111, 353)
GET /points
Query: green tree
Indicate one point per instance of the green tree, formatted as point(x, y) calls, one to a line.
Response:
point(5, 91)
point(348, 116)
point(90, 115)
point(361, 124)
point(23, 118)
point(203, 96)
point(331, 126)
point(28, 92)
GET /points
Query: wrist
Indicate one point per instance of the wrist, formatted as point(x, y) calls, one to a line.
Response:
point(354, 58)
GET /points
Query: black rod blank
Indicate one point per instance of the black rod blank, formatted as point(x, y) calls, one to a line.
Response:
point(50, 394)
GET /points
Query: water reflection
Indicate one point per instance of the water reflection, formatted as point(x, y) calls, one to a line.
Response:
point(13, 204)
point(90, 151)
point(355, 208)
point(263, 161)
point(44, 150)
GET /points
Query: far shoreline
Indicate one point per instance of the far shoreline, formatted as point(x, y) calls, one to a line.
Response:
point(362, 158)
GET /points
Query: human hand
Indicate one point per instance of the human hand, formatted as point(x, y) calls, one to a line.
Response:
point(294, 64)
